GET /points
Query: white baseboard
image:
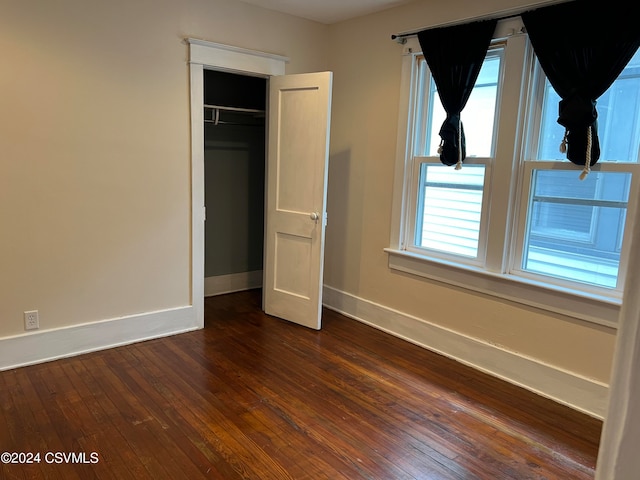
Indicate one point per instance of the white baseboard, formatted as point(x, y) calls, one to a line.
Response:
point(575, 391)
point(568, 388)
point(46, 345)
point(233, 282)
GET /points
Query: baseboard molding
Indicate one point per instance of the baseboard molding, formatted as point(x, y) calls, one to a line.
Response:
point(234, 282)
point(46, 345)
point(575, 391)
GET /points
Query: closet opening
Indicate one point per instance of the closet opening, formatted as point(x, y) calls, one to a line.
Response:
point(234, 181)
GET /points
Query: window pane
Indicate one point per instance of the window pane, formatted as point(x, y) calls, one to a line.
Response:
point(478, 114)
point(618, 119)
point(449, 208)
point(575, 228)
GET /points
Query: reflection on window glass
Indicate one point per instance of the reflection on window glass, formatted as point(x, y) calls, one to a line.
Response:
point(575, 228)
point(449, 208)
point(618, 120)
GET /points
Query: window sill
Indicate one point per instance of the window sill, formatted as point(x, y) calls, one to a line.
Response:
point(574, 303)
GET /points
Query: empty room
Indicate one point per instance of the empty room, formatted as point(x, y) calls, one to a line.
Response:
point(377, 239)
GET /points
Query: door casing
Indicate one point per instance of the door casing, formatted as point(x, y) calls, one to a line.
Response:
point(214, 56)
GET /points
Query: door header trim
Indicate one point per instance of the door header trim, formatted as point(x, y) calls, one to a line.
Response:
point(235, 59)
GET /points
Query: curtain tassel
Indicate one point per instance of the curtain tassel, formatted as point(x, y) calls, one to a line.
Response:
point(563, 144)
point(587, 163)
point(459, 164)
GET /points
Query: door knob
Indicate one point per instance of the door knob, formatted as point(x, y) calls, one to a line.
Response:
point(315, 216)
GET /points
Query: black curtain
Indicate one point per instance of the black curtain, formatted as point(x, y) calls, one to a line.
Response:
point(583, 46)
point(455, 55)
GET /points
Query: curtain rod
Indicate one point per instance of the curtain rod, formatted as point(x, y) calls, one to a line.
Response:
point(401, 37)
point(506, 14)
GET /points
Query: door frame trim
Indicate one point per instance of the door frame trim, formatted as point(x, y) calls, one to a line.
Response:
point(213, 56)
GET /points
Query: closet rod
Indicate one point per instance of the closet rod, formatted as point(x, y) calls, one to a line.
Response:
point(235, 109)
point(221, 122)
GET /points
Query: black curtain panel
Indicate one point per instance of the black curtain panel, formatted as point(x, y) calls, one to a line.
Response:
point(455, 55)
point(582, 47)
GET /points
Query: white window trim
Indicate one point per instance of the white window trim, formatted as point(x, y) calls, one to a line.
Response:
point(517, 246)
point(522, 290)
point(410, 232)
point(494, 278)
point(526, 168)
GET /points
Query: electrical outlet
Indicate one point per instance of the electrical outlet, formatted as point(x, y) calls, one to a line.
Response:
point(31, 320)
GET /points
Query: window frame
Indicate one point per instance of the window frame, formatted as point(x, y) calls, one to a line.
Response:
point(421, 110)
point(529, 164)
point(413, 230)
point(494, 273)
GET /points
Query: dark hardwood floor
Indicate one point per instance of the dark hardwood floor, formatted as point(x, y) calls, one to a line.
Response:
point(254, 397)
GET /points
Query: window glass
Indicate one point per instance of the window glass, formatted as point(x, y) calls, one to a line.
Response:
point(449, 201)
point(450, 205)
point(477, 117)
point(618, 119)
point(575, 228)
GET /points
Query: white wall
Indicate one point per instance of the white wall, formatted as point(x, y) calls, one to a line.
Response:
point(558, 356)
point(95, 187)
point(95, 194)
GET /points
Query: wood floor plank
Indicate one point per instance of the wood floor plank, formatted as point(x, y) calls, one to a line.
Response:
point(338, 408)
point(182, 453)
point(254, 397)
point(179, 411)
point(248, 459)
point(11, 431)
point(133, 419)
point(240, 370)
point(113, 449)
point(175, 429)
point(344, 404)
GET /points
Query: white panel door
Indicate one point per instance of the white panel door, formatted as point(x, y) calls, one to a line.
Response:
point(299, 118)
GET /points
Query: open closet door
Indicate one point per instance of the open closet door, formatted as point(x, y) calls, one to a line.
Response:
point(298, 148)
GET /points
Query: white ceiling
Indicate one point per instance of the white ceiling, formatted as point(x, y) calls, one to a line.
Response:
point(327, 11)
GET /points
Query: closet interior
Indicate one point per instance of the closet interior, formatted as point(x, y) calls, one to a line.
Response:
point(234, 155)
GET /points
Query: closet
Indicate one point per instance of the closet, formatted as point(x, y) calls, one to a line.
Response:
point(234, 165)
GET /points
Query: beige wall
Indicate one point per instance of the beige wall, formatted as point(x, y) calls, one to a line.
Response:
point(95, 148)
point(367, 66)
point(95, 165)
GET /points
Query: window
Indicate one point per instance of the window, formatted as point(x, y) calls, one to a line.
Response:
point(576, 233)
point(449, 203)
point(449, 209)
point(516, 221)
point(574, 230)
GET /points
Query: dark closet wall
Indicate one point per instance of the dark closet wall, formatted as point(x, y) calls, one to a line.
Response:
point(234, 175)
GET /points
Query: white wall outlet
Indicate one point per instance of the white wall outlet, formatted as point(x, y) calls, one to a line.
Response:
point(31, 320)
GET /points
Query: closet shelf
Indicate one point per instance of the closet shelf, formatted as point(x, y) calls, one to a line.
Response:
point(234, 109)
point(233, 115)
